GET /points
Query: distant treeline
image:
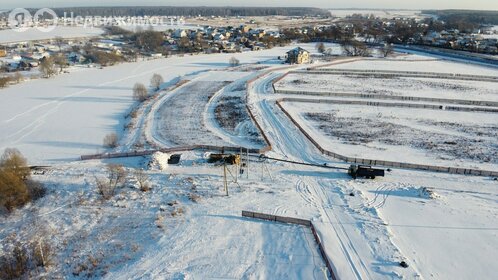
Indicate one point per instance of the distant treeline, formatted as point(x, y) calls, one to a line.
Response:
point(470, 16)
point(191, 11)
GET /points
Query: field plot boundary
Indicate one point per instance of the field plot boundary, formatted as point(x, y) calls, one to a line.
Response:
point(398, 74)
point(263, 150)
point(389, 97)
point(395, 104)
point(301, 222)
point(373, 162)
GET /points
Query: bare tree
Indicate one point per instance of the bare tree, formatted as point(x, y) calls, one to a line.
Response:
point(156, 81)
point(111, 140)
point(61, 61)
point(387, 50)
point(234, 62)
point(355, 48)
point(47, 67)
point(140, 92)
point(320, 47)
point(116, 176)
point(142, 179)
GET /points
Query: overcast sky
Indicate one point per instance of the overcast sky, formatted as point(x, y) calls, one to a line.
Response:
point(378, 4)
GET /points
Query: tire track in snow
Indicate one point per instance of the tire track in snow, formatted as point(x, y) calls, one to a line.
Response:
point(342, 236)
point(287, 142)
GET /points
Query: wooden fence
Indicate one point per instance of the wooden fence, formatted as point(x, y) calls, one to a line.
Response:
point(396, 104)
point(390, 97)
point(373, 162)
point(173, 150)
point(302, 222)
point(397, 74)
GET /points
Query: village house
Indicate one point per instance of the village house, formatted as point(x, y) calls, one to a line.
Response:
point(298, 56)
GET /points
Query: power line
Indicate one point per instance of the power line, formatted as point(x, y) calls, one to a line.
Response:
point(300, 163)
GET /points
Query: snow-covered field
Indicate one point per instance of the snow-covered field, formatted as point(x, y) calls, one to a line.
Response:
point(159, 27)
point(179, 120)
point(59, 119)
point(443, 226)
point(377, 13)
point(418, 63)
point(422, 136)
point(33, 34)
point(416, 87)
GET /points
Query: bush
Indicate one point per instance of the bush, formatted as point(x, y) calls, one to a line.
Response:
point(4, 81)
point(13, 191)
point(14, 264)
point(111, 140)
point(47, 67)
point(116, 176)
point(13, 173)
point(142, 179)
point(21, 258)
point(16, 188)
point(156, 81)
point(234, 62)
point(140, 92)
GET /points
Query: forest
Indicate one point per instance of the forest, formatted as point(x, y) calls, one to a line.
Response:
point(191, 11)
point(470, 16)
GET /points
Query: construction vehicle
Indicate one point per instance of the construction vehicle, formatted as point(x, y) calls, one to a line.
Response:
point(229, 159)
point(364, 171)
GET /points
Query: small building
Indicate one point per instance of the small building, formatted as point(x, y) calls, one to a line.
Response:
point(298, 56)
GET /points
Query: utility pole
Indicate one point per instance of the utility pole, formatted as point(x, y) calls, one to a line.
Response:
point(241, 158)
point(225, 177)
point(247, 162)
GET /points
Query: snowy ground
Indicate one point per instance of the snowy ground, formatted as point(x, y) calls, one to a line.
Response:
point(59, 119)
point(180, 122)
point(418, 87)
point(421, 136)
point(33, 34)
point(418, 63)
point(443, 226)
point(342, 13)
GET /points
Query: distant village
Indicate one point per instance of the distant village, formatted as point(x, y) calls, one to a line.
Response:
point(119, 44)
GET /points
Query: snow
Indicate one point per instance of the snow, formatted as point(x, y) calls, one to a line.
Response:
point(430, 65)
point(160, 161)
point(416, 87)
point(33, 34)
point(406, 140)
point(159, 27)
point(449, 237)
point(342, 13)
point(443, 226)
point(61, 118)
